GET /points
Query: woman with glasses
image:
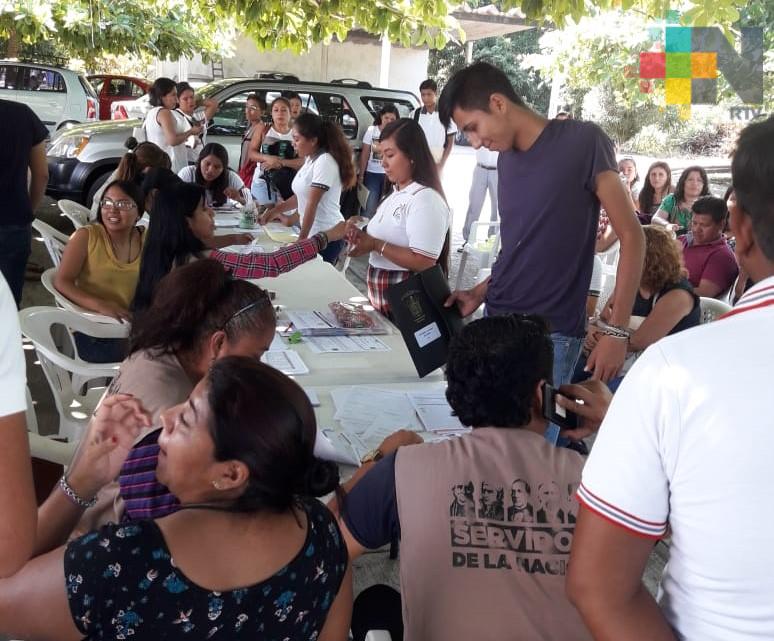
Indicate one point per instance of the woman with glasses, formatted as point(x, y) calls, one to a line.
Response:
point(101, 264)
point(255, 106)
point(249, 553)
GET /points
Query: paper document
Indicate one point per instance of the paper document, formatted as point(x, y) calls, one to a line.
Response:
point(345, 344)
point(434, 411)
point(331, 445)
point(286, 361)
point(311, 394)
point(364, 405)
point(281, 234)
point(226, 220)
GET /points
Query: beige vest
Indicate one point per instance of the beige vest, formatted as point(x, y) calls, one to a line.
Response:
point(487, 521)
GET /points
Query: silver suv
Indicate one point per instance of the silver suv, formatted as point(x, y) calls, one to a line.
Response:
point(57, 96)
point(81, 158)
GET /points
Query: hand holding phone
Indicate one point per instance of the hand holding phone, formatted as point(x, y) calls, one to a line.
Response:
point(556, 413)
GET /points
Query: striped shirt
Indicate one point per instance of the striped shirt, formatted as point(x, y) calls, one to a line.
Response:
point(144, 497)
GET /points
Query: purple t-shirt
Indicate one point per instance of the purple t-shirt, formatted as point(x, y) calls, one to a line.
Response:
point(549, 214)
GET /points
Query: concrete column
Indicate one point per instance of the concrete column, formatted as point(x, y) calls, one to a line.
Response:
point(468, 52)
point(384, 66)
point(182, 69)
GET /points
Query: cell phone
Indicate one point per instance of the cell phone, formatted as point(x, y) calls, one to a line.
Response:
point(555, 412)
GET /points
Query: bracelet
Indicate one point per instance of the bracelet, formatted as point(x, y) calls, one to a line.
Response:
point(71, 494)
point(323, 239)
point(381, 251)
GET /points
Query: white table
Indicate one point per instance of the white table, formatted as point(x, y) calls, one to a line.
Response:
point(311, 287)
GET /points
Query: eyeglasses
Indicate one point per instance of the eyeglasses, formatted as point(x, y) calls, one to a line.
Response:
point(251, 108)
point(121, 205)
point(262, 299)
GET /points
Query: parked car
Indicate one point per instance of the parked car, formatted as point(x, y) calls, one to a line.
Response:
point(58, 96)
point(81, 158)
point(128, 109)
point(110, 88)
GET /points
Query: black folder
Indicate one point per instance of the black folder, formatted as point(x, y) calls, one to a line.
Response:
point(427, 326)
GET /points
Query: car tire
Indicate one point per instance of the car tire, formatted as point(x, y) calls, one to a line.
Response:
point(100, 180)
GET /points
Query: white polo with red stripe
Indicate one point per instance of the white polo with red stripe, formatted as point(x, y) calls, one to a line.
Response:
point(688, 444)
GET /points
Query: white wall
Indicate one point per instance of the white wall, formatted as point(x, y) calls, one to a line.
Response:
point(408, 67)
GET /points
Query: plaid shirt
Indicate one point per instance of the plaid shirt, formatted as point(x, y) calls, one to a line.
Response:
point(270, 265)
point(378, 280)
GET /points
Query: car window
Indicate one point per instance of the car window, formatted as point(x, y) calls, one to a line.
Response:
point(8, 74)
point(120, 87)
point(38, 79)
point(335, 108)
point(97, 84)
point(405, 106)
point(230, 119)
point(137, 90)
point(87, 88)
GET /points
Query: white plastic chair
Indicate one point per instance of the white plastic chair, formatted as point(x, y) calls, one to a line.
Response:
point(378, 635)
point(47, 280)
point(609, 259)
point(77, 213)
point(712, 308)
point(54, 240)
point(67, 375)
point(486, 251)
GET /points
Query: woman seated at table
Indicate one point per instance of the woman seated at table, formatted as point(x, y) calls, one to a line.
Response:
point(318, 184)
point(101, 265)
point(276, 159)
point(211, 172)
point(657, 186)
point(199, 314)
point(182, 229)
point(665, 302)
point(371, 170)
point(674, 212)
point(141, 158)
point(410, 229)
point(239, 455)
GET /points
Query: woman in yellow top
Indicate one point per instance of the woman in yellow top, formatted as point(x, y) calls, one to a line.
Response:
point(101, 262)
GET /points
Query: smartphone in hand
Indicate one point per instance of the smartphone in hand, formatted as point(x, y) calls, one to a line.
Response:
point(555, 412)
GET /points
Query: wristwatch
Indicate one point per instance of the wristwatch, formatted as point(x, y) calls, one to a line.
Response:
point(372, 456)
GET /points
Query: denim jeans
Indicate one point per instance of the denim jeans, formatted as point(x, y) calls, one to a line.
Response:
point(375, 185)
point(567, 349)
point(100, 350)
point(15, 248)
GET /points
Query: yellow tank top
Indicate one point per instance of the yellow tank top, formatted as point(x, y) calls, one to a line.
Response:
point(103, 275)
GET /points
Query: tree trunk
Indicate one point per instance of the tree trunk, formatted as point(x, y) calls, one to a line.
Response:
point(12, 47)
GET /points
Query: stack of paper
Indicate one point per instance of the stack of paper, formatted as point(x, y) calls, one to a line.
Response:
point(434, 412)
point(285, 360)
point(323, 323)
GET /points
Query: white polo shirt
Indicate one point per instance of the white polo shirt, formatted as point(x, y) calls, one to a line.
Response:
point(435, 132)
point(416, 217)
point(319, 171)
point(13, 369)
point(688, 442)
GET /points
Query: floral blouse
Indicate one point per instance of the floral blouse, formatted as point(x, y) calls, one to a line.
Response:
point(122, 583)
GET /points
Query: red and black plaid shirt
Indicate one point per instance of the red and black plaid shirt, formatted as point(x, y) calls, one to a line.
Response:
point(269, 265)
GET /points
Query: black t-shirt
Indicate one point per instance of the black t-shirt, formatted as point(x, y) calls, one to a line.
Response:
point(644, 306)
point(20, 131)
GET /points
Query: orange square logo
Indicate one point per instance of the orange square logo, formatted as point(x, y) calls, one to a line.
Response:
point(704, 65)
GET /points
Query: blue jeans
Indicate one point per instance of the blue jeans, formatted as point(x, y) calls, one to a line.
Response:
point(15, 248)
point(100, 350)
point(567, 349)
point(375, 185)
point(331, 253)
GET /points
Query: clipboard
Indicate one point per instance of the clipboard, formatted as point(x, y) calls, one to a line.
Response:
point(426, 325)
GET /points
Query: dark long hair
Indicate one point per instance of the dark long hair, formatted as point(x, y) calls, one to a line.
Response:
point(411, 141)
point(131, 190)
point(160, 88)
point(331, 139)
point(139, 158)
point(193, 302)
point(680, 189)
point(265, 420)
point(648, 192)
point(218, 186)
point(170, 241)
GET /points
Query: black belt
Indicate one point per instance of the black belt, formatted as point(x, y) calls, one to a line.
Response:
point(486, 167)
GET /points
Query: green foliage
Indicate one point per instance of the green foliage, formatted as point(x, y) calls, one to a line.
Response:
point(507, 53)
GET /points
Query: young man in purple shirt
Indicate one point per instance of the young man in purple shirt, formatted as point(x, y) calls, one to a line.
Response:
point(553, 176)
point(710, 262)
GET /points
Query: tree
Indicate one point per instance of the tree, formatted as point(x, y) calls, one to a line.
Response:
point(173, 28)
